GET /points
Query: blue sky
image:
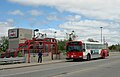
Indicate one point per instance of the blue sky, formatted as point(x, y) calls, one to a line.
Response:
point(85, 17)
point(23, 17)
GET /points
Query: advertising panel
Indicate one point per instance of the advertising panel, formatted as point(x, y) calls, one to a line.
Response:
point(13, 33)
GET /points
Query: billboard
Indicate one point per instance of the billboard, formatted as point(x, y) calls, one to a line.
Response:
point(13, 33)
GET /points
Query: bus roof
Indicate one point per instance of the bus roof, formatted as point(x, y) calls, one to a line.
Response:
point(87, 42)
point(91, 42)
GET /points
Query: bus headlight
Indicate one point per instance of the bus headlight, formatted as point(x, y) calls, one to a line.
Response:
point(72, 56)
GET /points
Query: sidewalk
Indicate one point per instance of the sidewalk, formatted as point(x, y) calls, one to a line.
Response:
point(12, 66)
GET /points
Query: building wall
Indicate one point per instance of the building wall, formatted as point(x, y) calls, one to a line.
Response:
point(13, 43)
point(21, 35)
point(24, 34)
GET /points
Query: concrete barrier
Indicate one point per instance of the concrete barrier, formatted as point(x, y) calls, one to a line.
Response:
point(12, 60)
point(114, 53)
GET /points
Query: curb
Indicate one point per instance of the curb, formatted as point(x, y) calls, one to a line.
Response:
point(29, 65)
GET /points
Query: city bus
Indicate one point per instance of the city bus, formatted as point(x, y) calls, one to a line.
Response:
point(79, 50)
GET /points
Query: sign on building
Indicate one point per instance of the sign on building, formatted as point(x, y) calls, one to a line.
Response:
point(13, 33)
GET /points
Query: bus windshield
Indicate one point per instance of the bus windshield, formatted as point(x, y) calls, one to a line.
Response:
point(74, 48)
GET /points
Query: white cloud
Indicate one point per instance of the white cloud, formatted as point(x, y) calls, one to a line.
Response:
point(99, 9)
point(95, 9)
point(105, 13)
point(52, 17)
point(10, 20)
point(51, 33)
point(83, 24)
point(91, 29)
point(57, 17)
point(35, 12)
point(16, 12)
point(73, 18)
point(4, 26)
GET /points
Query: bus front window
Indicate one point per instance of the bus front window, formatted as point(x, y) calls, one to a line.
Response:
point(74, 48)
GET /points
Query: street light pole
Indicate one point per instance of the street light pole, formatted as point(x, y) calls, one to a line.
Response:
point(67, 35)
point(55, 34)
point(101, 34)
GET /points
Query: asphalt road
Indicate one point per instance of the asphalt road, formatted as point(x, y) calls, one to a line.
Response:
point(109, 67)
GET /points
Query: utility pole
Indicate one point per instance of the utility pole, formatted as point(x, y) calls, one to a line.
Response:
point(101, 34)
point(103, 39)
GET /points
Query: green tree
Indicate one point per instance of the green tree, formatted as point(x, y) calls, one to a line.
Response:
point(115, 47)
point(61, 46)
point(92, 40)
point(4, 44)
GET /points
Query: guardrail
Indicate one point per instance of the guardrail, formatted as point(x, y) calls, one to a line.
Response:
point(12, 60)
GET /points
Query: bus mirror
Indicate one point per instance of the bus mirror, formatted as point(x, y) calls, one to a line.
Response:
point(83, 50)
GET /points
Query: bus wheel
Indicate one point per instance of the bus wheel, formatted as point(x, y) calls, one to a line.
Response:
point(88, 57)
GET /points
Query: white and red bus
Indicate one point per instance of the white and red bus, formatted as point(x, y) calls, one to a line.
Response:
point(77, 50)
